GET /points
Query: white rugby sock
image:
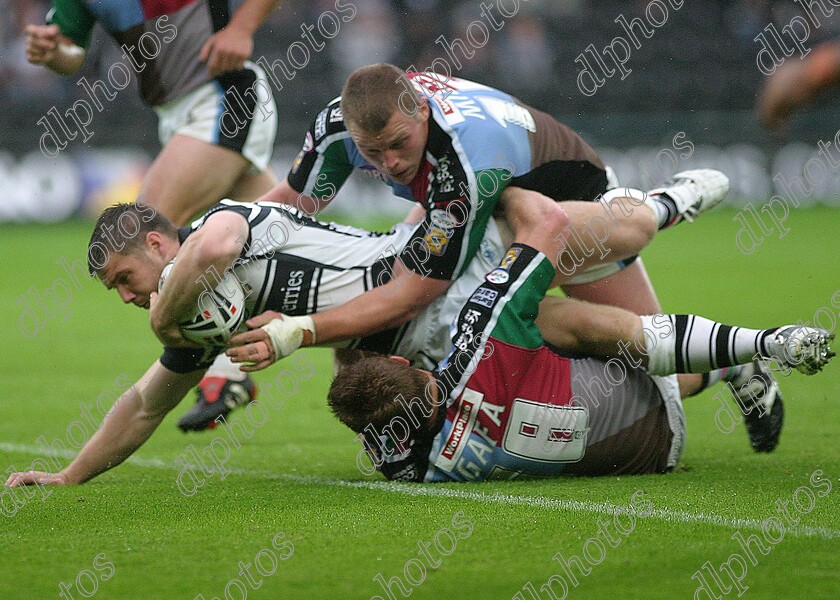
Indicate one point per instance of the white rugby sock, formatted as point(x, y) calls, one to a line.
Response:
point(692, 344)
point(222, 367)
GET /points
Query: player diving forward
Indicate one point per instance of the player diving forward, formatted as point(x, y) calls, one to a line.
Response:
point(297, 265)
point(503, 403)
point(219, 239)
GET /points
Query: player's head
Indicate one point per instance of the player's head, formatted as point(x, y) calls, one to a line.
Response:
point(387, 119)
point(130, 245)
point(376, 390)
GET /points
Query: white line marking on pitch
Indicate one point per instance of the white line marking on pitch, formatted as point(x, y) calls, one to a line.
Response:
point(661, 514)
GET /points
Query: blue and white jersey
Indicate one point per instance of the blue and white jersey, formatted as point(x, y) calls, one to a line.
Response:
point(480, 140)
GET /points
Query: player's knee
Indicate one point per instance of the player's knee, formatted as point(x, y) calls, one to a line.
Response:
point(553, 216)
point(526, 210)
point(584, 324)
point(543, 228)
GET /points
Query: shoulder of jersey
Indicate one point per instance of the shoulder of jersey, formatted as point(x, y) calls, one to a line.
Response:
point(329, 122)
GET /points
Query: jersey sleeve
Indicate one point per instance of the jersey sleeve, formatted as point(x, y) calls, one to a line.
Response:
point(322, 165)
point(443, 244)
point(187, 360)
point(521, 281)
point(503, 307)
point(73, 19)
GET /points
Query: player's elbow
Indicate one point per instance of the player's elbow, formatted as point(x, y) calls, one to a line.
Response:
point(220, 243)
point(409, 297)
point(413, 309)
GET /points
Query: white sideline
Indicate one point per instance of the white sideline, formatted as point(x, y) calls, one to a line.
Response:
point(660, 514)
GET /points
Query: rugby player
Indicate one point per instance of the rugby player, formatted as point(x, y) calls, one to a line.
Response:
point(234, 231)
point(190, 58)
point(503, 403)
point(296, 265)
point(453, 147)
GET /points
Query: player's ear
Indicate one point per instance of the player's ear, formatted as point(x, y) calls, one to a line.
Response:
point(156, 242)
point(399, 359)
point(423, 108)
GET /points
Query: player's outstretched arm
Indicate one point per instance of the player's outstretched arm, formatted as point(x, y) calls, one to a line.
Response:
point(129, 423)
point(228, 49)
point(381, 308)
point(46, 46)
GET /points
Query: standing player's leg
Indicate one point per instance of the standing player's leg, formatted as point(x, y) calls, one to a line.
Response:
point(217, 143)
point(190, 175)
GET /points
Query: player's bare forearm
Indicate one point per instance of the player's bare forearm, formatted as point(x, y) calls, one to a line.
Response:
point(381, 308)
point(130, 422)
point(229, 48)
point(126, 427)
point(68, 59)
point(47, 47)
point(415, 215)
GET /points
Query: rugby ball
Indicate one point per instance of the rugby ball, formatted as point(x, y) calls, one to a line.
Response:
point(218, 314)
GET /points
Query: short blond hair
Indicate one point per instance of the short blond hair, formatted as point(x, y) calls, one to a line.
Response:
point(371, 95)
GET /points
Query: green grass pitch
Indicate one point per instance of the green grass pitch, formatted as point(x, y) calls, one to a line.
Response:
point(132, 534)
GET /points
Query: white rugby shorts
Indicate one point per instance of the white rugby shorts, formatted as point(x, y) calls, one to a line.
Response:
point(235, 111)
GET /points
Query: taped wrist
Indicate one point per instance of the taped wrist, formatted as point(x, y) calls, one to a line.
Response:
point(288, 334)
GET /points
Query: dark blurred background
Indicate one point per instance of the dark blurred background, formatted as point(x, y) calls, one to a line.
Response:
point(696, 76)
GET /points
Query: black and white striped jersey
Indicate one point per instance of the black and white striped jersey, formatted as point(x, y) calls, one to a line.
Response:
point(296, 265)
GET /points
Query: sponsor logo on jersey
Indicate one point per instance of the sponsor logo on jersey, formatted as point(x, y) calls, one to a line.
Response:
point(441, 229)
point(459, 429)
point(443, 177)
point(484, 297)
point(308, 143)
point(335, 115)
point(451, 113)
point(511, 256)
point(505, 111)
point(488, 252)
point(462, 426)
point(405, 474)
point(498, 276)
point(441, 218)
point(291, 293)
point(428, 84)
point(467, 335)
point(321, 124)
point(298, 161)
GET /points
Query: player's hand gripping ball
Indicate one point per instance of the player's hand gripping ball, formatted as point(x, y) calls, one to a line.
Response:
point(219, 313)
